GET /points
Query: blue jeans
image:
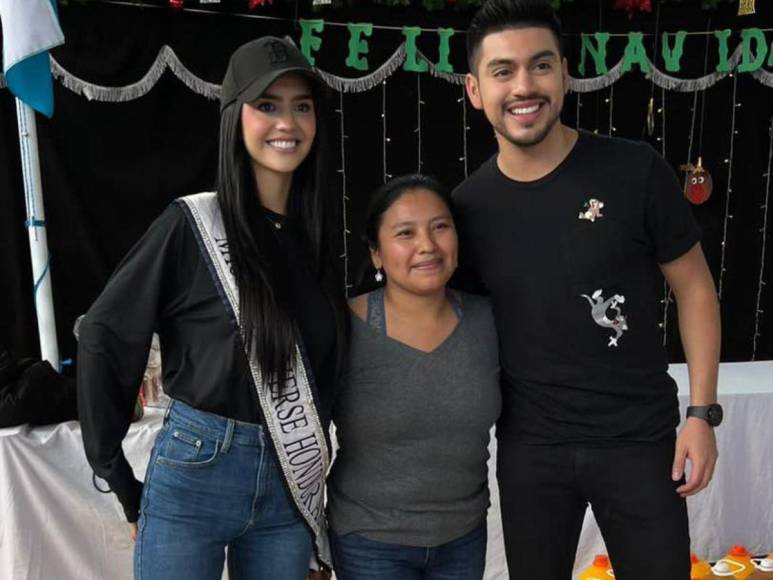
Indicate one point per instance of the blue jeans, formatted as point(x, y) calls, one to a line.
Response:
point(213, 483)
point(356, 557)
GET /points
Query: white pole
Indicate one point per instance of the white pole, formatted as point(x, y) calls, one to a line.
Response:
point(36, 226)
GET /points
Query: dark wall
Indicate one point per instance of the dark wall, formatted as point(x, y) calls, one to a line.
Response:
point(110, 168)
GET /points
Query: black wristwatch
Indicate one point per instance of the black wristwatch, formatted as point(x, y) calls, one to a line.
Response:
point(712, 414)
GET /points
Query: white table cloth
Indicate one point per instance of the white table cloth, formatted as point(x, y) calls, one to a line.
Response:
point(55, 525)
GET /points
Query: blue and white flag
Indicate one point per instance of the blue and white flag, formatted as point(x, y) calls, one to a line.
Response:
point(30, 29)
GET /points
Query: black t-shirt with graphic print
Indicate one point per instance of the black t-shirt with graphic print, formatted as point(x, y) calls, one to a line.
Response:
point(571, 264)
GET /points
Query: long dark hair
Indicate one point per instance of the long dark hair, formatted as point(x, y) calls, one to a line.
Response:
point(379, 204)
point(265, 316)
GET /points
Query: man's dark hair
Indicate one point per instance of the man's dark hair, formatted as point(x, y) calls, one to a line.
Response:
point(498, 15)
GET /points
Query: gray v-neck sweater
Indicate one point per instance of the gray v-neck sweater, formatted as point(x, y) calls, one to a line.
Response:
point(413, 429)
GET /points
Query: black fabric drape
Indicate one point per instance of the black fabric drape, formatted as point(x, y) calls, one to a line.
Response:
point(110, 168)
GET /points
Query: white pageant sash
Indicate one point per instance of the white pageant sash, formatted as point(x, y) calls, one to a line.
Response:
point(289, 413)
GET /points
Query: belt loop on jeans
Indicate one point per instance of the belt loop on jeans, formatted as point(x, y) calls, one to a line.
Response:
point(229, 435)
point(168, 409)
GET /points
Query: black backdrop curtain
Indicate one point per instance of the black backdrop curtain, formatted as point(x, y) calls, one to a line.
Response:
point(110, 168)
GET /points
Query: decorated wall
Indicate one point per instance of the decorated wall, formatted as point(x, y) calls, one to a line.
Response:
point(135, 125)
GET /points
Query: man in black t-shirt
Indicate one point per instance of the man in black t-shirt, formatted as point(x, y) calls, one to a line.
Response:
point(570, 232)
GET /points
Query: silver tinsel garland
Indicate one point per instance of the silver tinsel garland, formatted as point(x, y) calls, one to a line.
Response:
point(168, 59)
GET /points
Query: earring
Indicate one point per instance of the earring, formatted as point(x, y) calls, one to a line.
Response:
point(379, 276)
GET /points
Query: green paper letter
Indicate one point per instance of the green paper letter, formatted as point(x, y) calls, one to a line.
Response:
point(444, 50)
point(672, 57)
point(358, 46)
point(748, 36)
point(722, 36)
point(598, 52)
point(412, 63)
point(635, 53)
point(310, 42)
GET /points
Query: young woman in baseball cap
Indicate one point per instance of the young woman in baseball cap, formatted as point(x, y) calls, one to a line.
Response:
point(241, 286)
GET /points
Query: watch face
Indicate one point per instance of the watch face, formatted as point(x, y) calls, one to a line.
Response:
point(714, 414)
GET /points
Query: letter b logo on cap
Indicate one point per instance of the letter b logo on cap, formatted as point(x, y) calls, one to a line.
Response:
point(277, 52)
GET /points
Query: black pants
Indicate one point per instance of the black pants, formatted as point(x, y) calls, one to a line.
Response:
point(544, 491)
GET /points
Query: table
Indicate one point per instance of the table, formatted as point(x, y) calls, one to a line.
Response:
point(55, 525)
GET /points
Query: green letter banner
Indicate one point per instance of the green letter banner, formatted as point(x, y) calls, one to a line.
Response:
point(411, 63)
point(598, 52)
point(635, 53)
point(672, 57)
point(358, 46)
point(310, 42)
point(723, 65)
point(444, 49)
point(748, 36)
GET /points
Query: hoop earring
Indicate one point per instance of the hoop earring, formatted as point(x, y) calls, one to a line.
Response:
point(379, 276)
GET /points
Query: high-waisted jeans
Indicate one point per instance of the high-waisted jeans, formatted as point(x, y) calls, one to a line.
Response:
point(358, 558)
point(213, 483)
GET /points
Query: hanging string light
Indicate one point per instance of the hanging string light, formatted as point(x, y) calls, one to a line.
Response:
point(598, 93)
point(662, 113)
point(764, 230)
point(419, 104)
point(465, 128)
point(344, 194)
point(729, 162)
point(650, 128)
point(387, 175)
point(650, 124)
point(579, 104)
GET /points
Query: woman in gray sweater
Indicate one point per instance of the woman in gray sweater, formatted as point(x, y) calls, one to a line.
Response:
point(408, 492)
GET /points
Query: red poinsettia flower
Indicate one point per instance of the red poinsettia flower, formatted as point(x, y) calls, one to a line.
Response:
point(633, 6)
